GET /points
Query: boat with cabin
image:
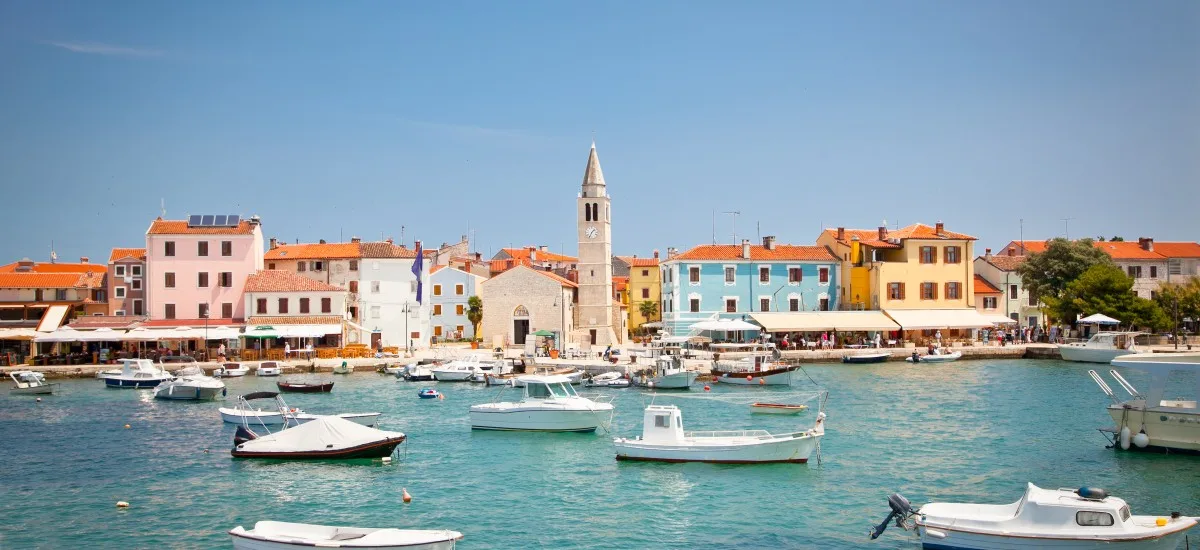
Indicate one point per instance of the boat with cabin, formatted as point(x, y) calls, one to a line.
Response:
point(268, 368)
point(663, 440)
point(418, 373)
point(460, 370)
point(1102, 347)
point(762, 367)
point(190, 384)
point(27, 382)
point(137, 373)
point(1150, 420)
point(549, 404)
point(232, 370)
point(279, 535)
point(667, 373)
point(1042, 519)
point(276, 415)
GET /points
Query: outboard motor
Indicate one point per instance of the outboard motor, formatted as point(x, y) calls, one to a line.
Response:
point(916, 357)
point(243, 435)
point(901, 512)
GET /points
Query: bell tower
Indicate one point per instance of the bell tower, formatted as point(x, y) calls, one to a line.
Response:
point(594, 225)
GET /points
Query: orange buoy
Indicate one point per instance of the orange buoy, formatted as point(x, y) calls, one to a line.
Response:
point(762, 382)
point(749, 378)
point(127, 426)
point(407, 498)
point(706, 388)
point(441, 396)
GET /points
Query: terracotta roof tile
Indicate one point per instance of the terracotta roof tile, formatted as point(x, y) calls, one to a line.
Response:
point(383, 249)
point(870, 237)
point(500, 266)
point(982, 286)
point(1006, 263)
point(529, 252)
point(782, 252)
point(561, 280)
point(123, 253)
point(620, 283)
point(47, 267)
point(1128, 251)
point(180, 227)
point(49, 280)
point(634, 261)
point(277, 280)
point(435, 269)
point(295, 320)
point(1178, 249)
point(338, 251)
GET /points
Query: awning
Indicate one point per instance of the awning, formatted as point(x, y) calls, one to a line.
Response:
point(811, 321)
point(726, 325)
point(101, 335)
point(262, 331)
point(64, 334)
point(306, 331)
point(17, 334)
point(53, 318)
point(998, 319)
point(929, 319)
point(1099, 319)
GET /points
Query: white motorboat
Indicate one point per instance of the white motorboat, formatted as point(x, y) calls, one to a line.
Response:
point(499, 367)
point(762, 368)
point(278, 535)
point(939, 355)
point(459, 370)
point(667, 373)
point(1042, 518)
point(574, 376)
point(177, 363)
point(190, 384)
point(268, 368)
point(663, 440)
point(607, 380)
point(107, 373)
point(418, 373)
point(501, 379)
point(1102, 347)
point(232, 370)
point(137, 373)
point(1150, 421)
point(28, 382)
point(326, 437)
point(245, 413)
point(550, 404)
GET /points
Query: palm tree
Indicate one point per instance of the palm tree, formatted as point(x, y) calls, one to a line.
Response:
point(475, 313)
point(649, 310)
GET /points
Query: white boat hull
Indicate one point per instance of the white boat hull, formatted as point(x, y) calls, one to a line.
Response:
point(272, 535)
point(44, 389)
point(674, 381)
point(267, 372)
point(778, 379)
point(937, 538)
point(189, 393)
point(452, 375)
point(777, 410)
point(1173, 428)
point(242, 543)
point(270, 418)
point(795, 447)
point(1080, 354)
point(937, 358)
point(535, 420)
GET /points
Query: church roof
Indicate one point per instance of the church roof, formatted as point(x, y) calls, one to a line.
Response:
point(592, 175)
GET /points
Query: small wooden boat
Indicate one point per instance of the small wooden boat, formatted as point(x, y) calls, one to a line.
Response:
point(428, 393)
point(30, 383)
point(777, 408)
point(344, 368)
point(278, 535)
point(288, 386)
point(879, 357)
point(934, 357)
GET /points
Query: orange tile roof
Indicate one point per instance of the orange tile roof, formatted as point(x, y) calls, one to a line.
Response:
point(1178, 249)
point(276, 280)
point(295, 320)
point(47, 267)
point(870, 237)
point(1005, 262)
point(500, 266)
point(527, 253)
point(562, 280)
point(982, 286)
point(338, 251)
point(1122, 250)
point(435, 269)
point(620, 283)
point(1031, 247)
point(180, 227)
point(782, 252)
point(635, 261)
point(40, 280)
point(123, 253)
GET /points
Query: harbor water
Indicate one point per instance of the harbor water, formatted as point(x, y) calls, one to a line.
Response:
point(971, 431)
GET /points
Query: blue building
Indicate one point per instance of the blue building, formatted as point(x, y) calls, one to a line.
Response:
point(732, 281)
point(448, 295)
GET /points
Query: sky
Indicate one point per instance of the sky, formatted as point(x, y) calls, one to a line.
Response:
point(423, 120)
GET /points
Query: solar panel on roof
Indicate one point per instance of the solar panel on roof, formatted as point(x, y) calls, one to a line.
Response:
point(207, 220)
point(233, 220)
point(193, 220)
point(219, 220)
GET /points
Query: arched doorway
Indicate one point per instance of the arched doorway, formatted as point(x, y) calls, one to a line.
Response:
point(520, 325)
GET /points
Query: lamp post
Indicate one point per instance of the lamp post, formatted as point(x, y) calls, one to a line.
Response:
point(407, 334)
point(206, 313)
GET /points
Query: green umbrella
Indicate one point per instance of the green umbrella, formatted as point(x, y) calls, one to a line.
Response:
point(543, 333)
point(264, 331)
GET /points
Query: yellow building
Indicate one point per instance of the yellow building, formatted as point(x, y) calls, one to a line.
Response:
point(916, 267)
point(645, 283)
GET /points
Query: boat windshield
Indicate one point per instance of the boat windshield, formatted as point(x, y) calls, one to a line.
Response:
point(543, 390)
point(564, 390)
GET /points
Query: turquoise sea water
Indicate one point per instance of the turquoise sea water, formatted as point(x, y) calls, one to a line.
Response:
point(972, 431)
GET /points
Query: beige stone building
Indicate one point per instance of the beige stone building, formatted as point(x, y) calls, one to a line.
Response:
point(524, 300)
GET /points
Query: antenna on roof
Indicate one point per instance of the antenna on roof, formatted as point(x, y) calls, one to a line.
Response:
point(53, 254)
point(162, 208)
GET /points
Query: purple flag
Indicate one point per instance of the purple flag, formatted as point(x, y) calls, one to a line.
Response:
point(418, 264)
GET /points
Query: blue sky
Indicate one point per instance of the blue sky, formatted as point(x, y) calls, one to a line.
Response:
point(357, 118)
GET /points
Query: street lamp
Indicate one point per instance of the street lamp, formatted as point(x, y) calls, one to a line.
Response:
point(407, 334)
point(206, 314)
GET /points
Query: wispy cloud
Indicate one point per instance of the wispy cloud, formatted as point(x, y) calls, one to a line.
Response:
point(100, 48)
point(473, 132)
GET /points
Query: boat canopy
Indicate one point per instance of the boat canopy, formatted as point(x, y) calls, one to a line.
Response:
point(929, 319)
point(812, 321)
point(320, 434)
point(1099, 319)
point(1160, 366)
point(260, 395)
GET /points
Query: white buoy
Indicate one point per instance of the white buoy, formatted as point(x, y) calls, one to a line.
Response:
point(1125, 438)
point(1141, 440)
point(122, 504)
point(387, 459)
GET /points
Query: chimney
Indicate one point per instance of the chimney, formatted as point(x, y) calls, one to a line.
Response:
point(769, 242)
point(939, 228)
point(478, 257)
point(83, 259)
point(355, 240)
point(573, 276)
point(254, 220)
point(543, 248)
point(746, 248)
point(883, 232)
point(322, 241)
point(1146, 243)
point(389, 240)
point(271, 244)
point(672, 252)
point(841, 235)
point(656, 254)
point(987, 253)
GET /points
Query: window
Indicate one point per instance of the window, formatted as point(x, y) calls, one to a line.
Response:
point(823, 275)
point(374, 312)
point(645, 293)
point(169, 311)
point(169, 248)
point(989, 302)
point(459, 329)
point(169, 280)
point(437, 290)
point(271, 265)
point(458, 309)
point(1012, 292)
point(764, 274)
point(227, 310)
point(437, 330)
point(227, 279)
point(1125, 513)
point(37, 295)
point(730, 274)
point(137, 307)
point(437, 309)
point(136, 270)
point(119, 292)
point(202, 248)
point(203, 280)
point(135, 284)
point(793, 304)
point(260, 306)
point(119, 270)
point(824, 304)
point(1032, 300)
point(645, 273)
point(928, 291)
point(795, 275)
point(301, 267)
point(694, 274)
point(353, 265)
point(1153, 272)
point(895, 291)
point(353, 286)
point(662, 421)
point(326, 305)
point(694, 305)
point(202, 311)
point(375, 287)
point(226, 248)
point(928, 254)
point(953, 291)
point(764, 304)
point(953, 254)
point(283, 305)
point(459, 289)
point(304, 305)
point(1135, 271)
point(318, 266)
point(1093, 519)
point(1174, 267)
point(731, 305)
point(119, 313)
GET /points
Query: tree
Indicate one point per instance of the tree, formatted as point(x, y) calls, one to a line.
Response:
point(649, 310)
point(475, 313)
point(1047, 274)
point(1105, 289)
point(1117, 240)
point(1186, 295)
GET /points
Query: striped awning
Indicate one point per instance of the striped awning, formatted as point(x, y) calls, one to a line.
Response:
point(814, 321)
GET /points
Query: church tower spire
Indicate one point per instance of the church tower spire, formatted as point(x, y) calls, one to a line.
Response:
point(593, 177)
point(595, 311)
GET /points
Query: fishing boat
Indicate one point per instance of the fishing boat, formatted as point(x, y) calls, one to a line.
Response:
point(668, 373)
point(777, 408)
point(137, 373)
point(28, 382)
point(459, 370)
point(428, 393)
point(232, 370)
point(939, 355)
point(874, 357)
point(1148, 420)
point(279, 412)
point(663, 440)
point(278, 535)
point(190, 384)
point(325, 437)
point(549, 404)
point(418, 373)
point(1042, 518)
point(268, 368)
point(291, 386)
point(763, 367)
point(1102, 347)
point(607, 380)
point(344, 368)
point(501, 379)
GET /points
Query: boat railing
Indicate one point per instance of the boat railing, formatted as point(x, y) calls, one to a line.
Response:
point(598, 397)
point(1125, 384)
point(1104, 387)
point(760, 434)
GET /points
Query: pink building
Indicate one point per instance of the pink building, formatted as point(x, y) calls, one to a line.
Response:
point(197, 268)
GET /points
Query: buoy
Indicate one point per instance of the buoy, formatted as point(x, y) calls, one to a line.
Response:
point(387, 459)
point(762, 382)
point(1141, 440)
point(749, 378)
point(407, 498)
point(706, 388)
point(122, 504)
point(127, 426)
point(1125, 438)
point(442, 396)
point(1160, 522)
point(39, 400)
point(205, 451)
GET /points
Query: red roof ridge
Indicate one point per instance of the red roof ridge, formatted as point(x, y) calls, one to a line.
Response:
point(277, 280)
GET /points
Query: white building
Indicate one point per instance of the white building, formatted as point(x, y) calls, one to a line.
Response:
point(296, 306)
